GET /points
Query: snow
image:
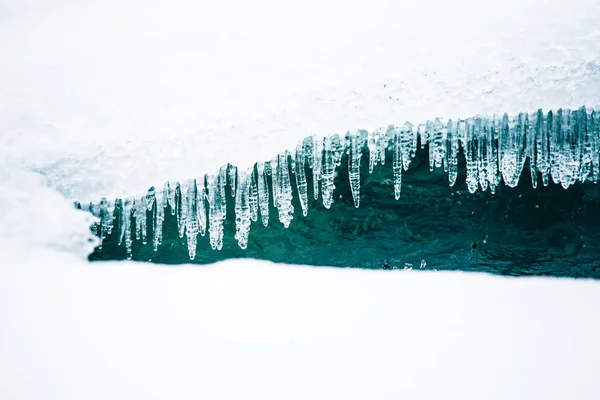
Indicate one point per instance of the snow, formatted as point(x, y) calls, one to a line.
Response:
point(122, 95)
point(245, 329)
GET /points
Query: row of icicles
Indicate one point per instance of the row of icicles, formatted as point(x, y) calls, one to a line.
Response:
point(561, 145)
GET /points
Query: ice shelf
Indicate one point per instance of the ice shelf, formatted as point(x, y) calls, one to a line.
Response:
point(562, 146)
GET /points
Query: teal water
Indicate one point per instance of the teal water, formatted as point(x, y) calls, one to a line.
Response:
point(516, 231)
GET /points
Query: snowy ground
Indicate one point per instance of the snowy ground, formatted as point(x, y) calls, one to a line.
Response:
point(107, 97)
point(255, 330)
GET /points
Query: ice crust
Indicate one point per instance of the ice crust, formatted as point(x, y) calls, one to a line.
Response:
point(108, 98)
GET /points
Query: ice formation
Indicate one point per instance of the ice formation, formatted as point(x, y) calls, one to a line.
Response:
point(562, 146)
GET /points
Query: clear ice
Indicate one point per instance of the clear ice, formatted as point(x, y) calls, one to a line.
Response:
point(562, 146)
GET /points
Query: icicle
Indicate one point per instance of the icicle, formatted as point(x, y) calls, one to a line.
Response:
point(572, 149)
point(337, 150)
point(242, 210)
point(373, 146)
point(354, 156)
point(140, 208)
point(138, 220)
point(159, 215)
point(231, 175)
point(119, 221)
point(274, 164)
point(292, 163)
point(125, 227)
point(253, 196)
point(470, 154)
point(110, 218)
point(150, 202)
point(585, 143)
point(283, 197)
point(383, 145)
point(437, 140)
point(452, 153)
point(180, 209)
point(317, 158)
point(492, 156)
point(200, 207)
point(422, 132)
point(555, 135)
point(222, 183)
point(532, 150)
point(397, 165)
point(408, 143)
point(191, 221)
point(525, 128)
point(512, 139)
point(216, 211)
point(444, 149)
point(128, 241)
point(567, 173)
point(328, 175)
point(560, 128)
point(170, 196)
point(263, 193)
point(120, 214)
point(542, 146)
point(301, 184)
point(566, 147)
point(106, 220)
point(307, 150)
point(150, 196)
point(479, 138)
point(593, 128)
